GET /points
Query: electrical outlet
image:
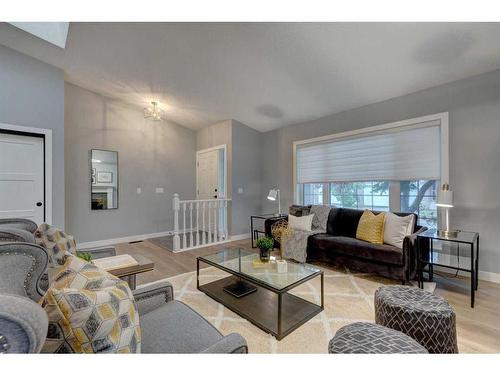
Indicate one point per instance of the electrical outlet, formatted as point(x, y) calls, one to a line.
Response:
point(159, 190)
point(240, 190)
point(139, 190)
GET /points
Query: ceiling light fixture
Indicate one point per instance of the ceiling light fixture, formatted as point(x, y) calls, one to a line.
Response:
point(153, 112)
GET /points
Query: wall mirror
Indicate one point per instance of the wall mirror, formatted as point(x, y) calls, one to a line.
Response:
point(103, 179)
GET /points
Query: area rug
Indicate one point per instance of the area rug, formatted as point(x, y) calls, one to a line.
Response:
point(348, 298)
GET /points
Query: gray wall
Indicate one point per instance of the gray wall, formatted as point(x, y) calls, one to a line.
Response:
point(32, 94)
point(474, 108)
point(247, 156)
point(150, 154)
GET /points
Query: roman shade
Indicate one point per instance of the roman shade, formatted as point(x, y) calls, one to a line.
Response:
point(404, 153)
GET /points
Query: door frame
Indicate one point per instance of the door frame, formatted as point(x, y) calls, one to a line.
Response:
point(219, 147)
point(46, 134)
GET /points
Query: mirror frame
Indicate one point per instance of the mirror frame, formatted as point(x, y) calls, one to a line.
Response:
point(117, 179)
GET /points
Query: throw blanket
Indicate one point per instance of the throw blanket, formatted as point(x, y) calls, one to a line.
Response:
point(295, 246)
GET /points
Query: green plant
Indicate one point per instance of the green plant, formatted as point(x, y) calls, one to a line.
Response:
point(265, 243)
point(85, 256)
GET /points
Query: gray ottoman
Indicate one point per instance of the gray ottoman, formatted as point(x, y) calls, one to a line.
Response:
point(424, 316)
point(369, 338)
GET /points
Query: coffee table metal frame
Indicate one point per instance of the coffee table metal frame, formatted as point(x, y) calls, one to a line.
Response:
point(281, 332)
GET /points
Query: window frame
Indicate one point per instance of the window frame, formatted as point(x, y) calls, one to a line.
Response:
point(416, 122)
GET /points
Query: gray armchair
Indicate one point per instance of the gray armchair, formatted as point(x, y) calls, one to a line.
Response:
point(167, 326)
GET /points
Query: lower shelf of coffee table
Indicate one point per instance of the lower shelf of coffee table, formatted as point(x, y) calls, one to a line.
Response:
point(261, 307)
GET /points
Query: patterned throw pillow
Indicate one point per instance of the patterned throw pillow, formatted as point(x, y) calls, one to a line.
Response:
point(371, 227)
point(59, 245)
point(90, 311)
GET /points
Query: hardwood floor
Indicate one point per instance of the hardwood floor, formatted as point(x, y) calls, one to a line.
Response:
point(478, 328)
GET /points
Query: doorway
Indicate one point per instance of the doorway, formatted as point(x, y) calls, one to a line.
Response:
point(22, 176)
point(211, 173)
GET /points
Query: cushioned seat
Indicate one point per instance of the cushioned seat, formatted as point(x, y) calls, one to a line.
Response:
point(162, 328)
point(369, 338)
point(353, 247)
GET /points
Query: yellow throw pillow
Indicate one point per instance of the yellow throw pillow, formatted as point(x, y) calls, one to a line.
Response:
point(371, 227)
point(90, 311)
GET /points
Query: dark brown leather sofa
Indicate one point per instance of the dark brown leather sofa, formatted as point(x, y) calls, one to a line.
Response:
point(339, 246)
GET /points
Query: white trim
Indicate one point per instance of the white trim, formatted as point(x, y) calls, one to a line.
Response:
point(141, 237)
point(238, 237)
point(483, 275)
point(47, 133)
point(410, 123)
point(219, 147)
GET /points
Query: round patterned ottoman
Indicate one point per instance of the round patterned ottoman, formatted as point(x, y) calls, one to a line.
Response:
point(369, 338)
point(424, 316)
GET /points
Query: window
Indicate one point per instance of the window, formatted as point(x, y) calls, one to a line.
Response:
point(393, 167)
point(361, 195)
point(420, 197)
point(313, 194)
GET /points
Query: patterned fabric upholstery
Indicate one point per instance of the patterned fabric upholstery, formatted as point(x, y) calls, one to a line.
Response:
point(371, 227)
point(320, 217)
point(90, 311)
point(422, 315)
point(59, 245)
point(369, 338)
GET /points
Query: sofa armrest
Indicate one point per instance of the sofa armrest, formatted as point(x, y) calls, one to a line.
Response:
point(11, 234)
point(230, 344)
point(99, 253)
point(410, 252)
point(23, 325)
point(150, 297)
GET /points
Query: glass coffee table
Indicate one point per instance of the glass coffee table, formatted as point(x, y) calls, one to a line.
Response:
point(261, 294)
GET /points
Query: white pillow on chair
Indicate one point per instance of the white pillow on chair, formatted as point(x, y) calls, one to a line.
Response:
point(302, 223)
point(396, 228)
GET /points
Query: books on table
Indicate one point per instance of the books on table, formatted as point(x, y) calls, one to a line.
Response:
point(116, 262)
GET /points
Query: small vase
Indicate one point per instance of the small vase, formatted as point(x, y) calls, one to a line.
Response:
point(265, 255)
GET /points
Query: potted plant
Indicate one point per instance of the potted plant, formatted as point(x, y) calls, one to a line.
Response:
point(265, 245)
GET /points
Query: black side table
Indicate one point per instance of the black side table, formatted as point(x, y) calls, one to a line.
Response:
point(254, 233)
point(426, 256)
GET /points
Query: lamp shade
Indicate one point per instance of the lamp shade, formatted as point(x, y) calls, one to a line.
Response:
point(445, 197)
point(273, 194)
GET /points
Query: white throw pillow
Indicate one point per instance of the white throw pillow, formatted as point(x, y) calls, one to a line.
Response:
point(302, 223)
point(396, 228)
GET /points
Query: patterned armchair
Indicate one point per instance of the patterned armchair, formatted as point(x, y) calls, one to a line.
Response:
point(167, 326)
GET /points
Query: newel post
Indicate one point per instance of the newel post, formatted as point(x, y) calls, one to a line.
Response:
point(176, 207)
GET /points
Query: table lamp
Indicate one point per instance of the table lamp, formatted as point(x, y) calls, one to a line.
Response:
point(274, 194)
point(445, 201)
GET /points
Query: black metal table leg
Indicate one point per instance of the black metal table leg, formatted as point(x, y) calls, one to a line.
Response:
point(473, 276)
point(197, 273)
point(322, 291)
point(477, 262)
point(431, 266)
point(252, 234)
point(280, 303)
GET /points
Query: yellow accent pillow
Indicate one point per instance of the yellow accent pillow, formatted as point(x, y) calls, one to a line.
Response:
point(371, 227)
point(90, 311)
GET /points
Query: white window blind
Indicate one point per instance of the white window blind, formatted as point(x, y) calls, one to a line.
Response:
point(407, 153)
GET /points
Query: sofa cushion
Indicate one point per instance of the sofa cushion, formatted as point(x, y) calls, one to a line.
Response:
point(396, 228)
point(90, 311)
point(343, 222)
point(58, 244)
point(353, 247)
point(299, 211)
point(176, 328)
point(300, 223)
point(371, 227)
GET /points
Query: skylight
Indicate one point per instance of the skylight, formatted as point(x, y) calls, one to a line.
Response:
point(52, 32)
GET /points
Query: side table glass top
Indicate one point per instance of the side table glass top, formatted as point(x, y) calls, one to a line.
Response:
point(241, 261)
point(462, 236)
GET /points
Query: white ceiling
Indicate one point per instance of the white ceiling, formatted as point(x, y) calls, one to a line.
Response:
point(264, 75)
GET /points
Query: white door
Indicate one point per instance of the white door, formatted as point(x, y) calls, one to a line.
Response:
point(208, 174)
point(22, 177)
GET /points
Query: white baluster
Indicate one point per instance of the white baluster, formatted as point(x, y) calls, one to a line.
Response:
point(176, 206)
point(197, 224)
point(209, 222)
point(216, 221)
point(191, 224)
point(203, 233)
point(184, 226)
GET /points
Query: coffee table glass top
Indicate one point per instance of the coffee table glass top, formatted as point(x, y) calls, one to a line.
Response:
point(241, 261)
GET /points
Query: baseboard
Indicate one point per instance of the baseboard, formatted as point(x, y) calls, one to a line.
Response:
point(483, 275)
point(238, 237)
point(142, 237)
